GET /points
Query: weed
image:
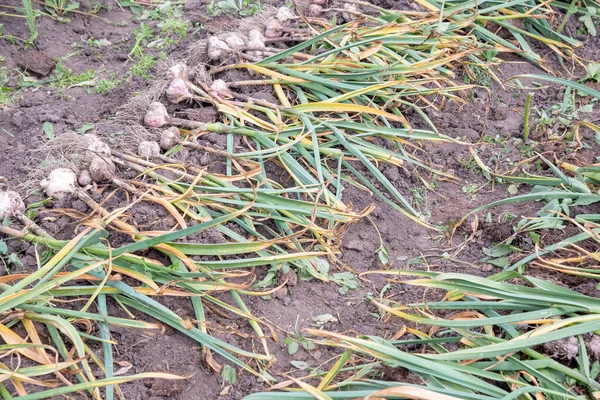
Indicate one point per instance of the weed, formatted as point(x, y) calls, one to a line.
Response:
point(173, 27)
point(7, 257)
point(60, 8)
point(478, 75)
point(592, 72)
point(105, 85)
point(295, 341)
point(243, 8)
point(142, 35)
point(65, 78)
point(30, 16)
point(591, 19)
point(559, 119)
point(6, 93)
point(469, 164)
point(144, 66)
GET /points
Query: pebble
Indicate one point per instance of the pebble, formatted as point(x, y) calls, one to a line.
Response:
point(281, 293)
point(37, 62)
point(354, 244)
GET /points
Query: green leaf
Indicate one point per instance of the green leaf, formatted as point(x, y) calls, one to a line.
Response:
point(513, 189)
point(268, 280)
point(593, 71)
point(228, 374)
point(48, 130)
point(323, 319)
point(384, 254)
point(443, 27)
point(595, 370)
point(588, 21)
point(499, 262)
point(346, 280)
point(308, 345)
point(3, 247)
point(322, 266)
point(499, 250)
point(301, 365)
point(14, 260)
point(293, 347)
point(535, 237)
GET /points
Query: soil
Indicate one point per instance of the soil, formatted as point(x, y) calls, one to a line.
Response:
point(411, 246)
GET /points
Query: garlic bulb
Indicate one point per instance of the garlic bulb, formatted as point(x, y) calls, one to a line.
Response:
point(148, 149)
point(178, 91)
point(84, 178)
point(235, 40)
point(156, 116)
point(178, 70)
point(284, 15)
point(315, 10)
point(169, 138)
point(219, 86)
point(102, 170)
point(11, 204)
point(256, 40)
point(255, 34)
point(256, 45)
point(273, 28)
point(215, 48)
point(60, 181)
point(349, 16)
point(95, 147)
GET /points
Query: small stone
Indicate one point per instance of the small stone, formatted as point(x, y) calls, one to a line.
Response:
point(205, 159)
point(565, 349)
point(291, 277)
point(37, 62)
point(167, 388)
point(487, 267)
point(354, 244)
point(593, 347)
point(281, 293)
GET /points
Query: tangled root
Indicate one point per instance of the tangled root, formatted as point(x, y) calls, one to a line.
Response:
point(133, 112)
point(198, 53)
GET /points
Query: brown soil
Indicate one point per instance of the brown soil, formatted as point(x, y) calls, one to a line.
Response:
point(21, 137)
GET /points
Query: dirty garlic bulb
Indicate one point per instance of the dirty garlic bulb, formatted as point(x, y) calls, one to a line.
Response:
point(235, 40)
point(84, 178)
point(315, 10)
point(349, 16)
point(178, 91)
point(60, 181)
point(169, 138)
point(95, 146)
point(102, 170)
point(256, 40)
point(219, 86)
point(11, 204)
point(148, 149)
point(156, 115)
point(216, 48)
point(284, 15)
point(178, 70)
point(273, 28)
